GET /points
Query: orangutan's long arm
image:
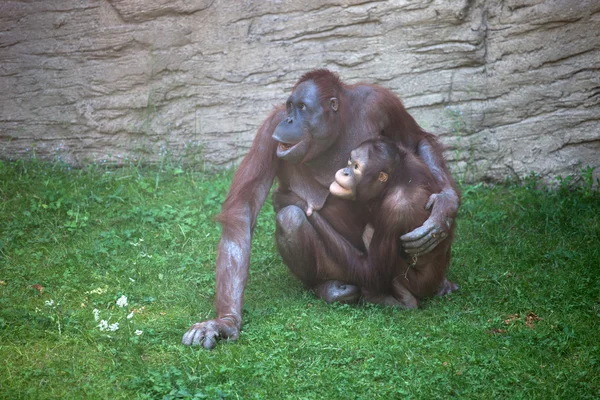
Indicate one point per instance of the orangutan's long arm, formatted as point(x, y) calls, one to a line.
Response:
point(249, 188)
point(443, 205)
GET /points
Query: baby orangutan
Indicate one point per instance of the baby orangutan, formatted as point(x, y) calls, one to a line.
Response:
point(394, 186)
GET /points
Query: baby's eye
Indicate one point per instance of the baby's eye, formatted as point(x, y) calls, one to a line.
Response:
point(355, 166)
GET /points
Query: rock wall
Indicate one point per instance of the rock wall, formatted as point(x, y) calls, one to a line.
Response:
point(511, 87)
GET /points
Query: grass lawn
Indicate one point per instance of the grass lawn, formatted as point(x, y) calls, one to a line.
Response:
point(84, 250)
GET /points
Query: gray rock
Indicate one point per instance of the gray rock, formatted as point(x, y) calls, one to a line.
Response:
point(511, 87)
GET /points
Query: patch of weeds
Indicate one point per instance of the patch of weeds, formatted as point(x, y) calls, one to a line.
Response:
point(172, 383)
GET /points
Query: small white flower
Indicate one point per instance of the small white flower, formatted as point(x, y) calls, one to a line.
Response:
point(138, 332)
point(122, 301)
point(96, 314)
point(113, 327)
point(49, 303)
point(132, 280)
point(103, 325)
point(130, 315)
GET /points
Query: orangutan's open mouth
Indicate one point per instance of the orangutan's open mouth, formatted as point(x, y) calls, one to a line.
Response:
point(292, 152)
point(285, 146)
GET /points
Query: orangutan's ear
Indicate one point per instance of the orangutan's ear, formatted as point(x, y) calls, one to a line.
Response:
point(333, 102)
point(383, 177)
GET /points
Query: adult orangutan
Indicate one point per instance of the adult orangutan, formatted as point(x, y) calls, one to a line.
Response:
point(303, 144)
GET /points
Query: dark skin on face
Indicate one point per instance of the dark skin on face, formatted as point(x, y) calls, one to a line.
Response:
point(302, 144)
point(347, 184)
point(393, 185)
point(304, 134)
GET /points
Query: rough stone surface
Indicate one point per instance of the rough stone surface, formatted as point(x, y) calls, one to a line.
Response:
point(511, 87)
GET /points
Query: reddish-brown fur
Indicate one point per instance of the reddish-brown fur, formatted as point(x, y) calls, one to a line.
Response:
point(365, 111)
point(397, 210)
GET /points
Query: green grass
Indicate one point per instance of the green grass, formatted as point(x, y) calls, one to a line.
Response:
point(525, 324)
